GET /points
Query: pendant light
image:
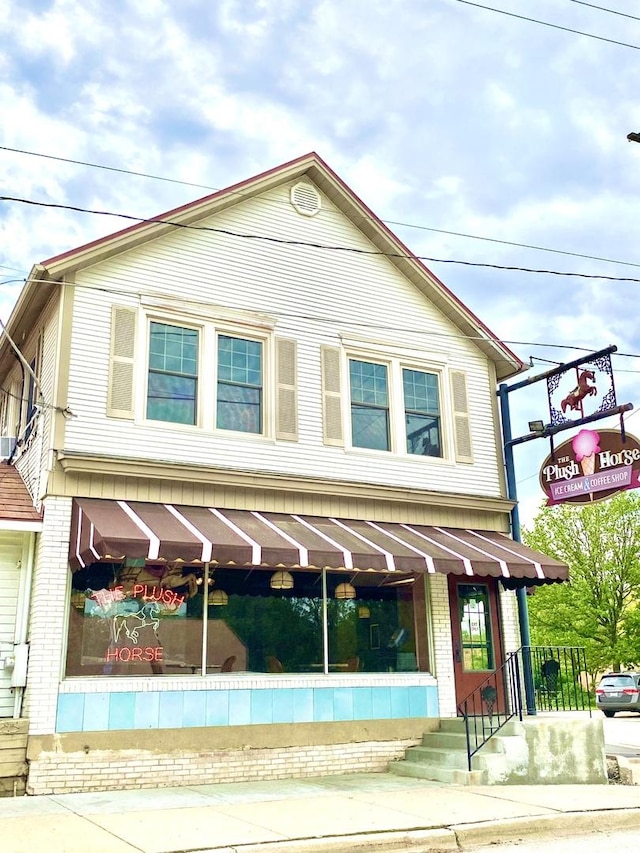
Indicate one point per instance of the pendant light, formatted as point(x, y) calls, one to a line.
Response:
point(281, 580)
point(218, 597)
point(345, 591)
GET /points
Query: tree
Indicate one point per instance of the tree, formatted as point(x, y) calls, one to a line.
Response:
point(598, 607)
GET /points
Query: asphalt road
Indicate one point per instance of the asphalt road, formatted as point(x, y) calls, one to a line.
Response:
point(621, 733)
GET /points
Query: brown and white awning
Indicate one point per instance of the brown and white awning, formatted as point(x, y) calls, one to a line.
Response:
point(113, 530)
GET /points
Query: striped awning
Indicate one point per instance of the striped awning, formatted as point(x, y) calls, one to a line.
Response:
point(114, 530)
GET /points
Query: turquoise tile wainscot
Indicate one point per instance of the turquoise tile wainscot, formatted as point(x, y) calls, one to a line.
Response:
point(234, 706)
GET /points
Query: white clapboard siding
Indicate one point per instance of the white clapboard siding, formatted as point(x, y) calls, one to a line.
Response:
point(314, 297)
point(10, 554)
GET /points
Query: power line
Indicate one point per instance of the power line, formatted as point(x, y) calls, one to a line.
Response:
point(517, 245)
point(311, 245)
point(603, 9)
point(369, 326)
point(386, 221)
point(547, 24)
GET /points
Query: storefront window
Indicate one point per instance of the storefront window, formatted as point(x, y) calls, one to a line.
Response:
point(148, 619)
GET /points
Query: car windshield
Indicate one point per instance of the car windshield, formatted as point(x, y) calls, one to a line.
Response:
point(617, 681)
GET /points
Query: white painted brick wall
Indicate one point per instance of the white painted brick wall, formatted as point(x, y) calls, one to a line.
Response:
point(55, 773)
point(48, 616)
point(510, 621)
point(443, 646)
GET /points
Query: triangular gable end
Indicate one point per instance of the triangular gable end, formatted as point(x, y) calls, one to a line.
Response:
point(315, 169)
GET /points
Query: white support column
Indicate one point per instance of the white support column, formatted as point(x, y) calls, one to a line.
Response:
point(48, 619)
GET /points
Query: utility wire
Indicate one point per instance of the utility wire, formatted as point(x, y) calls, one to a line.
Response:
point(405, 330)
point(547, 24)
point(386, 221)
point(603, 9)
point(307, 244)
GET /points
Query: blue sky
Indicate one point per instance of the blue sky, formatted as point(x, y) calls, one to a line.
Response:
point(442, 116)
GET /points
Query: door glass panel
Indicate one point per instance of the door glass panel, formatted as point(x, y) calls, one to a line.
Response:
point(475, 627)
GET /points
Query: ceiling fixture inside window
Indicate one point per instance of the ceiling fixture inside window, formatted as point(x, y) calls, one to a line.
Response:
point(218, 597)
point(345, 590)
point(281, 580)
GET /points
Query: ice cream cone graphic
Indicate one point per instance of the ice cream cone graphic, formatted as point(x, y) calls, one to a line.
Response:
point(588, 464)
point(585, 446)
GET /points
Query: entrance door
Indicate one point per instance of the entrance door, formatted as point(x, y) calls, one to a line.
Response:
point(475, 629)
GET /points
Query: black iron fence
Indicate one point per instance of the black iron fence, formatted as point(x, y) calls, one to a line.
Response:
point(560, 679)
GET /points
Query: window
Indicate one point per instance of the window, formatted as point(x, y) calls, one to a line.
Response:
point(251, 381)
point(422, 412)
point(173, 374)
point(239, 403)
point(475, 627)
point(394, 404)
point(145, 619)
point(369, 405)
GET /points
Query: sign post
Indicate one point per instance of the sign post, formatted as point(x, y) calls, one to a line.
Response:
point(597, 368)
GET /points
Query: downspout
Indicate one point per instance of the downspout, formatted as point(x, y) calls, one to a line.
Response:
point(22, 626)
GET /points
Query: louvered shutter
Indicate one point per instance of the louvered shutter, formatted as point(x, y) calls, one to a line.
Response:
point(287, 390)
point(461, 422)
point(332, 426)
point(120, 401)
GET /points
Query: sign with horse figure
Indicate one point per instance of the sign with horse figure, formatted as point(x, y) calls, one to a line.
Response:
point(580, 391)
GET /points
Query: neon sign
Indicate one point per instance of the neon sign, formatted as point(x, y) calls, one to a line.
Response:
point(137, 654)
point(105, 597)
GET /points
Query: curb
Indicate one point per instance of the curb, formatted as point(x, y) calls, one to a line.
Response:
point(401, 841)
point(456, 837)
point(568, 823)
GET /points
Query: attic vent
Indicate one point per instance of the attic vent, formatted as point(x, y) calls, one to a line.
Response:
point(305, 199)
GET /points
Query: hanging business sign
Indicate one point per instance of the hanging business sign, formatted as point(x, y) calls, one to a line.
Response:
point(581, 391)
point(591, 466)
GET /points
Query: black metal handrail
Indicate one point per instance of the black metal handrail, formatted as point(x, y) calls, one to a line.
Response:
point(492, 704)
point(558, 676)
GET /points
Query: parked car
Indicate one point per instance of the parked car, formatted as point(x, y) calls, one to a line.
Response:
point(618, 691)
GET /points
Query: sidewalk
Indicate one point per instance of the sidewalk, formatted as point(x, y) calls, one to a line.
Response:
point(332, 814)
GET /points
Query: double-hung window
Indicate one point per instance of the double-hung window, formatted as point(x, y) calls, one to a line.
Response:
point(369, 384)
point(172, 388)
point(215, 373)
point(422, 412)
point(394, 405)
point(240, 384)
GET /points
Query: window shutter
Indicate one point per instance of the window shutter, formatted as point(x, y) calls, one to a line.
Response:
point(120, 403)
point(287, 390)
point(332, 427)
point(461, 422)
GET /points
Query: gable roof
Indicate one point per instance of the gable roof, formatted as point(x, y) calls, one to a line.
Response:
point(43, 276)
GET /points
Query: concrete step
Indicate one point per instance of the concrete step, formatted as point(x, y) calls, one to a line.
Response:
point(448, 775)
point(445, 740)
point(453, 725)
point(482, 760)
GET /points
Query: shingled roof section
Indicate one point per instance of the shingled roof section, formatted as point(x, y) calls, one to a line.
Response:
point(15, 500)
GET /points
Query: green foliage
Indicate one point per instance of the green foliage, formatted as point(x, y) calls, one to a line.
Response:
point(598, 607)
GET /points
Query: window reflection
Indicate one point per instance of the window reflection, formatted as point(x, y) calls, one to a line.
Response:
point(150, 620)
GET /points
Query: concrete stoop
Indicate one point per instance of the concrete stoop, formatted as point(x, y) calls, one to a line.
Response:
point(442, 755)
